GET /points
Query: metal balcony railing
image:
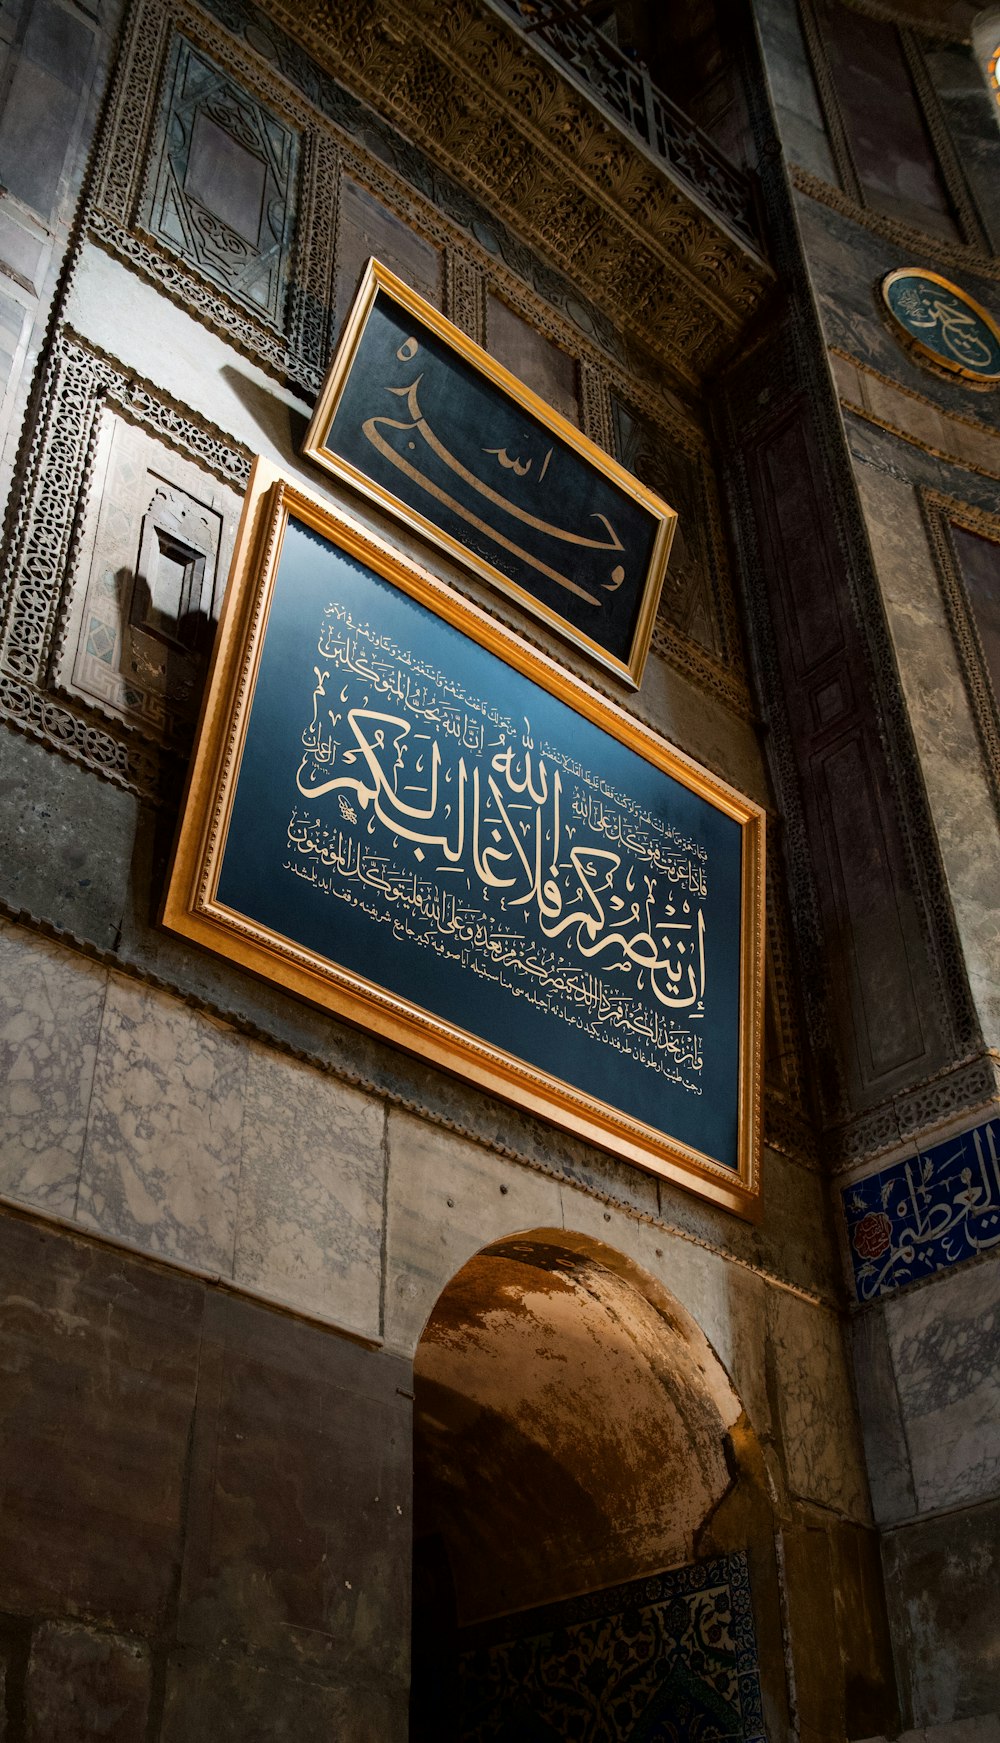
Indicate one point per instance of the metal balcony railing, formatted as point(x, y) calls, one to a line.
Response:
point(625, 90)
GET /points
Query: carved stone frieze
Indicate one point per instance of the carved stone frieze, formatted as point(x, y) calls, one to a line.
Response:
point(215, 188)
point(466, 295)
point(502, 121)
point(955, 1094)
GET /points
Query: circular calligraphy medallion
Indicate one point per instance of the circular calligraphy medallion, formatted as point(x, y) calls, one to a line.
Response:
point(942, 324)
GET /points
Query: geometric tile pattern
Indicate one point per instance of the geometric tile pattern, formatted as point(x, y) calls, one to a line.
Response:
point(668, 1659)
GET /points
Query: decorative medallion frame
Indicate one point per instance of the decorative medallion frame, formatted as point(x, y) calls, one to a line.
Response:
point(44, 544)
point(907, 281)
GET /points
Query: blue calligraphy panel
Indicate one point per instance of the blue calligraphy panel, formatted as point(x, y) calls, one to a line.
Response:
point(413, 809)
point(926, 1213)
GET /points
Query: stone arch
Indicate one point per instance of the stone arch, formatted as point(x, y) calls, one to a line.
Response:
point(574, 1432)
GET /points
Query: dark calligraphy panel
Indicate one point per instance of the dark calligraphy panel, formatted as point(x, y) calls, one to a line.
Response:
point(416, 414)
point(413, 809)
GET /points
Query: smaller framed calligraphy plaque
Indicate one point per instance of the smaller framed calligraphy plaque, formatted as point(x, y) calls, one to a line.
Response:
point(400, 811)
point(942, 324)
point(421, 419)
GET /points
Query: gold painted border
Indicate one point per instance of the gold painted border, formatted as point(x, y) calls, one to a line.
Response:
point(912, 343)
point(378, 277)
point(192, 909)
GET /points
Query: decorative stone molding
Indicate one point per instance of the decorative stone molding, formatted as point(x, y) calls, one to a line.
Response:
point(789, 365)
point(465, 298)
point(905, 17)
point(472, 92)
point(918, 243)
point(940, 514)
point(44, 546)
point(903, 412)
point(960, 1092)
point(838, 133)
point(944, 150)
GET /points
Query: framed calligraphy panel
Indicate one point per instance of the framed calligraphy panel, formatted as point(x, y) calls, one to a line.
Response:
point(400, 811)
point(421, 419)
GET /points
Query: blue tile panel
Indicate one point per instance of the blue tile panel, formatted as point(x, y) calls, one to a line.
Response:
point(667, 1659)
point(925, 1214)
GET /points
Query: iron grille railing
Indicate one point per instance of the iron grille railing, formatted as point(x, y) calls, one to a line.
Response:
point(624, 88)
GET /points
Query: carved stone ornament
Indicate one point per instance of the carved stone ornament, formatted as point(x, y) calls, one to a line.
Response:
point(147, 584)
point(220, 190)
point(477, 97)
point(168, 553)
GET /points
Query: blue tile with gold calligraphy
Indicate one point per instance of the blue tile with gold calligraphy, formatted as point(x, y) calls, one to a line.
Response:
point(924, 1214)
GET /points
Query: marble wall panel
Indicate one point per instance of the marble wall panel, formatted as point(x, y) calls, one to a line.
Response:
point(816, 1406)
point(887, 1455)
point(447, 1199)
point(162, 1154)
point(299, 1523)
point(99, 1359)
point(945, 1342)
point(943, 725)
point(200, 1483)
point(229, 1700)
point(309, 1226)
point(534, 359)
point(943, 1590)
point(83, 1684)
point(50, 1015)
point(799, 117)
point(65, 841)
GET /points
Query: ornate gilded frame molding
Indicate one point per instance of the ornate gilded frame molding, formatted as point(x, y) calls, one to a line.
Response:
point(382, 286)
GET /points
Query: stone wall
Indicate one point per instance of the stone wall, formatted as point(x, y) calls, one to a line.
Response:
point(920, 1216)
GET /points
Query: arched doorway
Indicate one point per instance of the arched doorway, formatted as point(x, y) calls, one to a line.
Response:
point(575, 1434)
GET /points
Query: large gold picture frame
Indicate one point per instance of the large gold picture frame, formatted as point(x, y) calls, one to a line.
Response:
point(595, 585)
point(293, 553)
